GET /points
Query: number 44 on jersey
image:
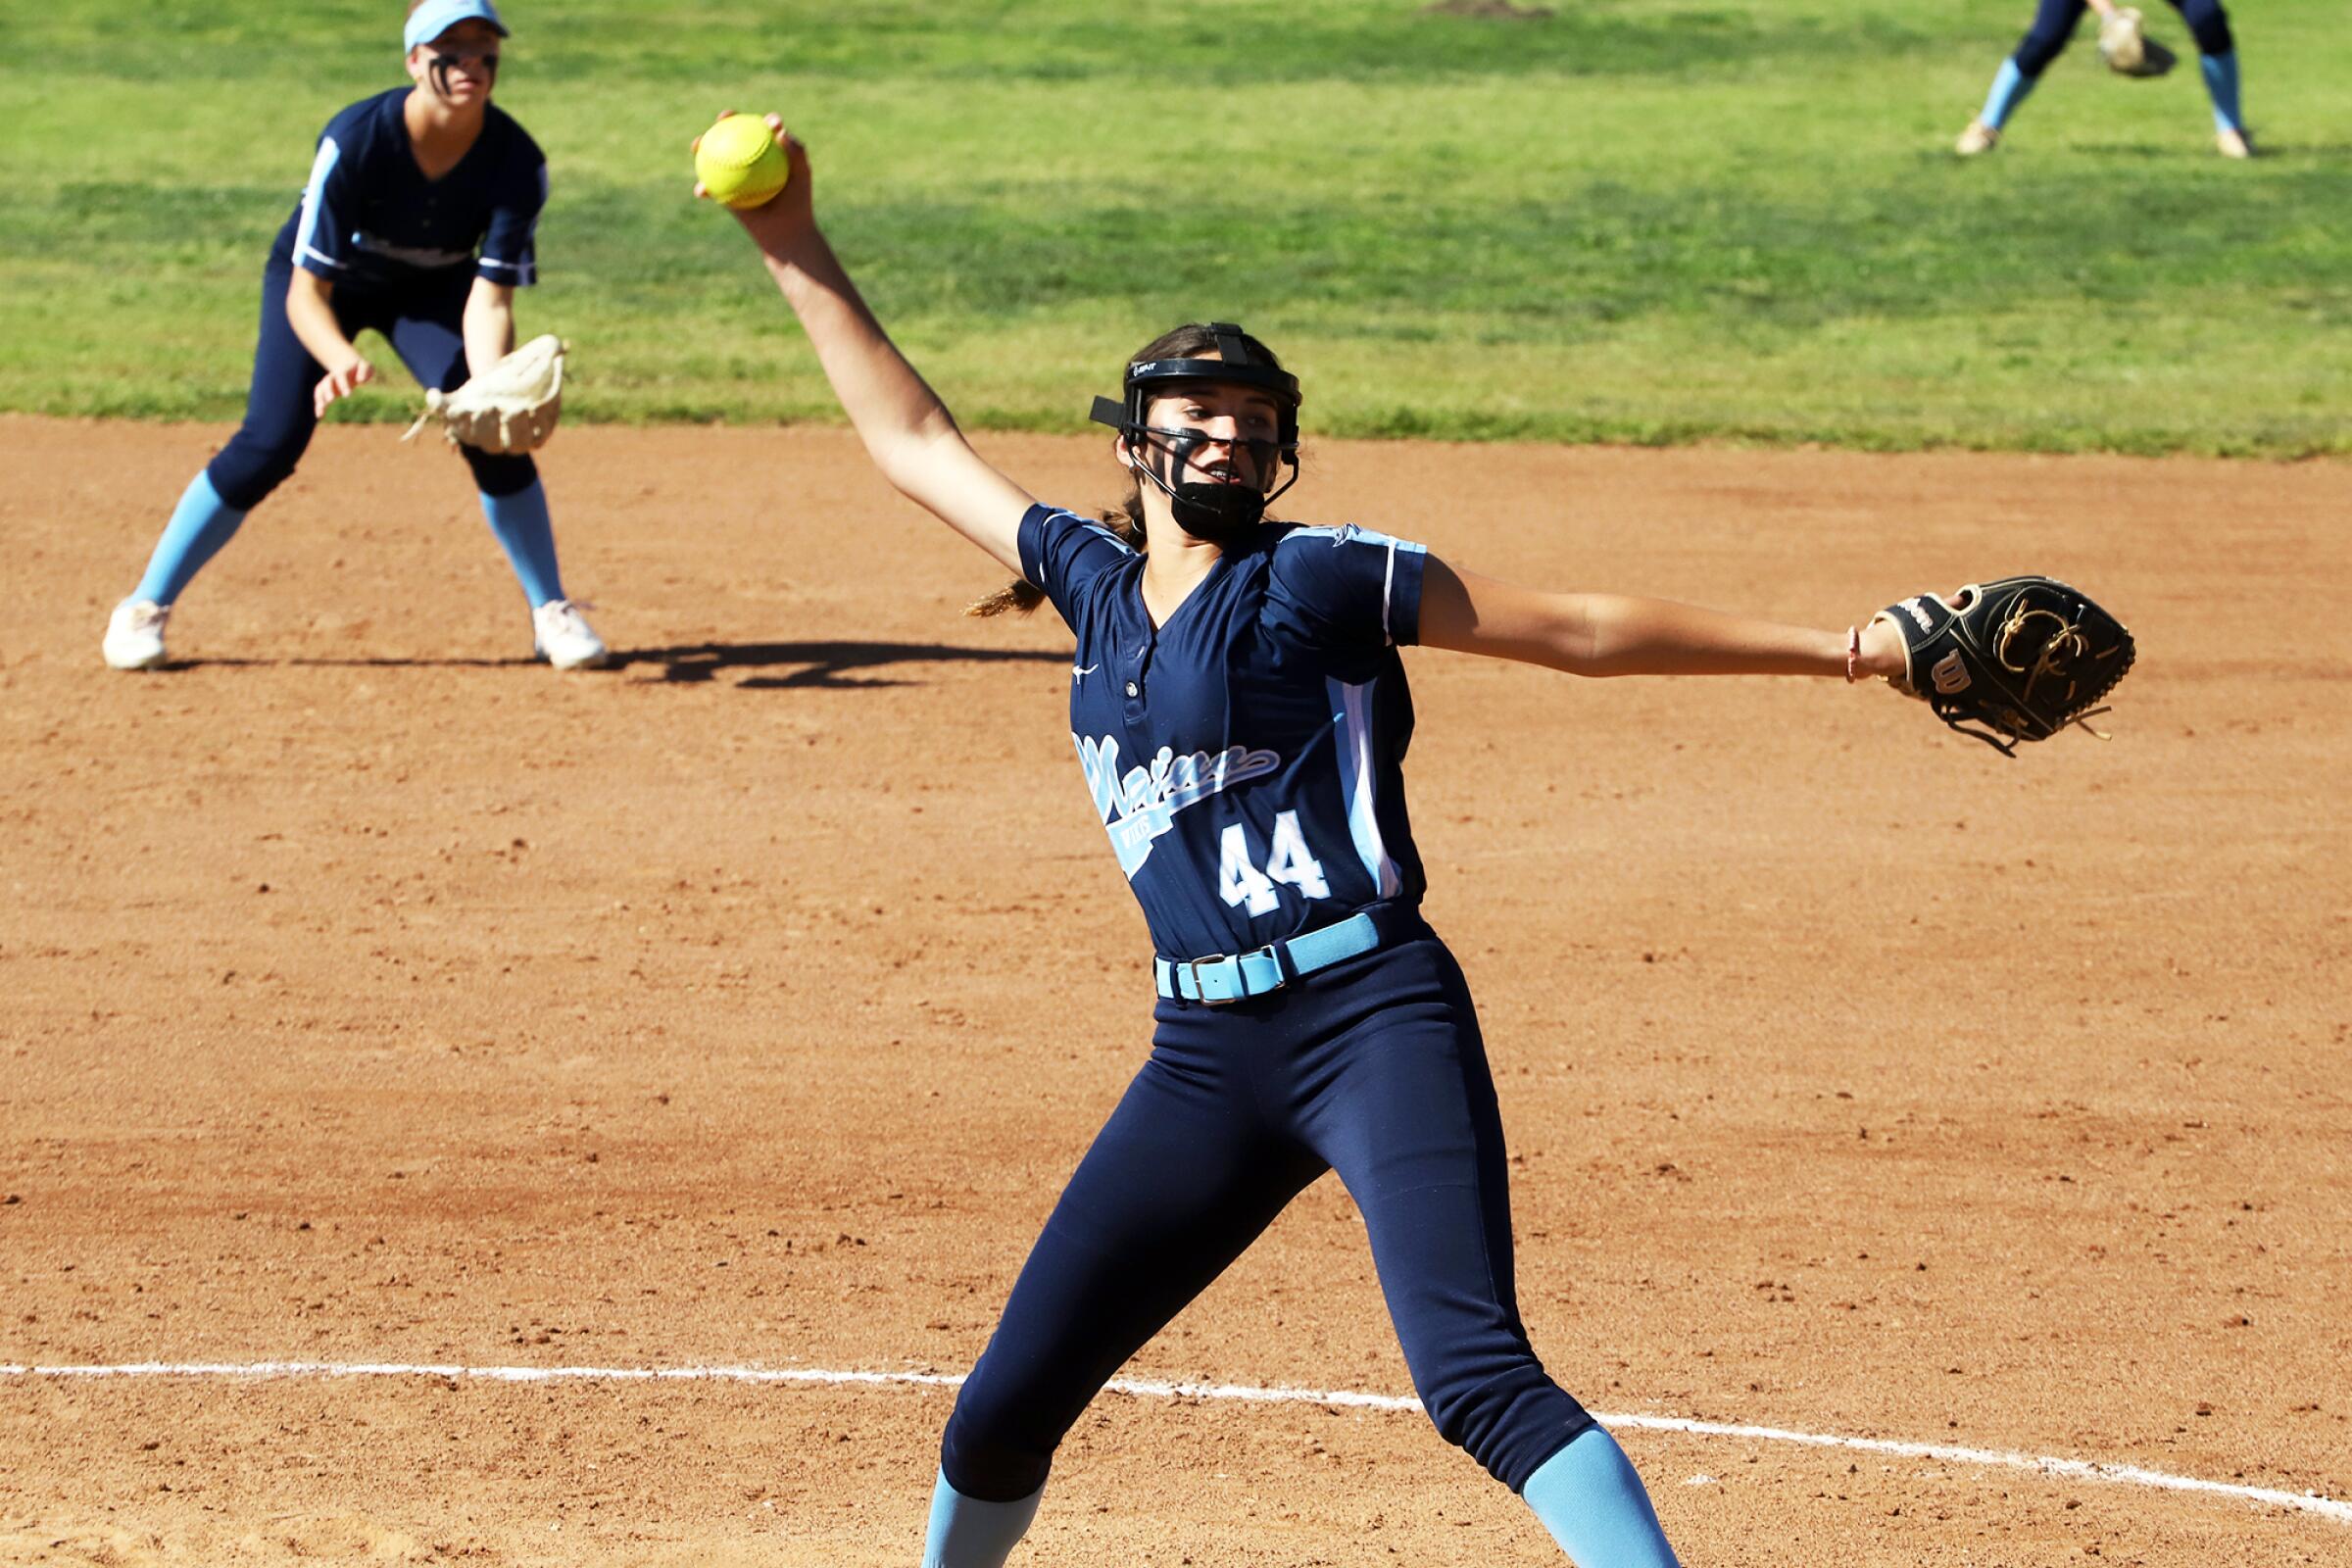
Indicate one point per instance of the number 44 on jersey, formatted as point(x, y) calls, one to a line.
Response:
point(1240, 881)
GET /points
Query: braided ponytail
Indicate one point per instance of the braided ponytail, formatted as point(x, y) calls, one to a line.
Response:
point(1020, 596)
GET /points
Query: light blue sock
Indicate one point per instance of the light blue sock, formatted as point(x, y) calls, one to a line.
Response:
point(2009, 88)
point(1589, 1498)
point(528, 538)
point(967, 1532)
point(199, 525)
point(2220, 85)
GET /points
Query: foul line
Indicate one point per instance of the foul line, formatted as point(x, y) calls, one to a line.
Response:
point(1144, 1388)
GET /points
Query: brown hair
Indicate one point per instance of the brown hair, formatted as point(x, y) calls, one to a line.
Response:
point(1126, 519)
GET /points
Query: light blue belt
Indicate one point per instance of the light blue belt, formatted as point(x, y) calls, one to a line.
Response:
point(1269, 968)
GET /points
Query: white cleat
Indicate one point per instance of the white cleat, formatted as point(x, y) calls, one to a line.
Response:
point(2232, 144)
point(134, 634)
point(562, 635)
point(1978, 137)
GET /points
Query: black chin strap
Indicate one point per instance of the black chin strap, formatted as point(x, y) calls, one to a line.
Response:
point(1221, 513)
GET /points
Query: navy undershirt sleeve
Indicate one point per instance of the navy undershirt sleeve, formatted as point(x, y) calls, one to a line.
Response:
point(510, 246)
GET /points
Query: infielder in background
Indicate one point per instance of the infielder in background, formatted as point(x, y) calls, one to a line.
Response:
point(405, 188)
point(2054, 27)
point(1240, 716)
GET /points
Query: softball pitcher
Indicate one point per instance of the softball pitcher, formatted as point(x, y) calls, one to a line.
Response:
point(419, 221)
point(2054, 23)
point(1241, 719)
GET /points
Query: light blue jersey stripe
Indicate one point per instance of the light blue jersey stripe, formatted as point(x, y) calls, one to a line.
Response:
point(1387, 594)
point(1336, 532)
point(320, 166)
point(1345, 532)
point(416, 256)
point(1357, 786)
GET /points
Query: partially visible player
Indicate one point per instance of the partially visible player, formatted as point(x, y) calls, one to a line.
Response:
point(2054, 26)
point(420, 222)
point(1241, 718)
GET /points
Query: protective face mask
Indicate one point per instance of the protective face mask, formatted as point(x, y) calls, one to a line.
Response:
point(1215, 514)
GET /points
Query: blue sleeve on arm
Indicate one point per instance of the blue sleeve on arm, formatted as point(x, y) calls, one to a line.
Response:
point(1062, 553)
point(1348, 590)
point(511, 244)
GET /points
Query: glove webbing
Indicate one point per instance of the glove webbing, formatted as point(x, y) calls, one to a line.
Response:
point(2064, 644)
point(433, 397)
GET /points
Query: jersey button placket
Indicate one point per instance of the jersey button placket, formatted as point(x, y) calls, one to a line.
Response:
point(1132, 639)
point(1133, 664)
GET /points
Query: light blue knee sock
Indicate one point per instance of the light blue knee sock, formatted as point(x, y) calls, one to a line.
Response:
point(528, 538)
point(967, 1532)
point(1589, 1498)
point(199, 525)
point(2009, 88)
point(2220, 85)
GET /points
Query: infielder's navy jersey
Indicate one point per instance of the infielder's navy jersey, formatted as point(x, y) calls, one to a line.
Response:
point(368, 217)
point(1247, 756)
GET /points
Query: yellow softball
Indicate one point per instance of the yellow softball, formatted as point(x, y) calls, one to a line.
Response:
point(739, 161)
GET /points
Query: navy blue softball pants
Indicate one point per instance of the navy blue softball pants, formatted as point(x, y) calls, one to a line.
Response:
point(422, 322)
point(1374, 1070)
point(2054, 24)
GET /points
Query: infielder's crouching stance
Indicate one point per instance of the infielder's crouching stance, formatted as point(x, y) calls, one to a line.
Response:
point(405, 189)
point(2130, 52)
point(1241, 717)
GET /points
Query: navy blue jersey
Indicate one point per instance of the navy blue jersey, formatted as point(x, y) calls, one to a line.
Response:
point(1247, 756)
point(369, 217)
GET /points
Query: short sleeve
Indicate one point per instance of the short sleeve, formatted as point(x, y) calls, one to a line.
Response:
point(511, 244)
point(322, 234)
point(1062, 552)
point(1348, 590)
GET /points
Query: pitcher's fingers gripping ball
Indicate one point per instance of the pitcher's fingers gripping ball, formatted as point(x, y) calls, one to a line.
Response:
point(739, 163)
point(2022, 658)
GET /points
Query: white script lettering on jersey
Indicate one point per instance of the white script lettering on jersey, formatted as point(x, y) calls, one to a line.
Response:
point(1140, 805)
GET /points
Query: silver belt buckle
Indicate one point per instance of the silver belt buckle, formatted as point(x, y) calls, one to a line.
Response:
point(1200, 991)
point(1241, 975)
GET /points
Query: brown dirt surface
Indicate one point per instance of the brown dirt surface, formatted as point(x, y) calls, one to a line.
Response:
point(376, 996)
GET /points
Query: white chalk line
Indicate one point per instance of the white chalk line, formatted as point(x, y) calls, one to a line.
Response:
point(1145, 1388)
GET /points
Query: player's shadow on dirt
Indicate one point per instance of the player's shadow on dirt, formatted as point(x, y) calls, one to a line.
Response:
point(820, 663)
point(201, 661)
point(827, 665)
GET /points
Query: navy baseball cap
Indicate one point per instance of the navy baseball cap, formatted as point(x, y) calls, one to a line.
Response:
point(434, 18)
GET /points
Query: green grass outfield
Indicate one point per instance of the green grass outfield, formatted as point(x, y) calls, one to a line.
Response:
point(1632, 221)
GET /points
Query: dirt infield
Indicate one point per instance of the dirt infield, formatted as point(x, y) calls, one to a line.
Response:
point(377, 997)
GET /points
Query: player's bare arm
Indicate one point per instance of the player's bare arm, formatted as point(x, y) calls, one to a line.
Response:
point(488, 325)
point(311, 312)
point(907, 429)
point(1614, 634)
